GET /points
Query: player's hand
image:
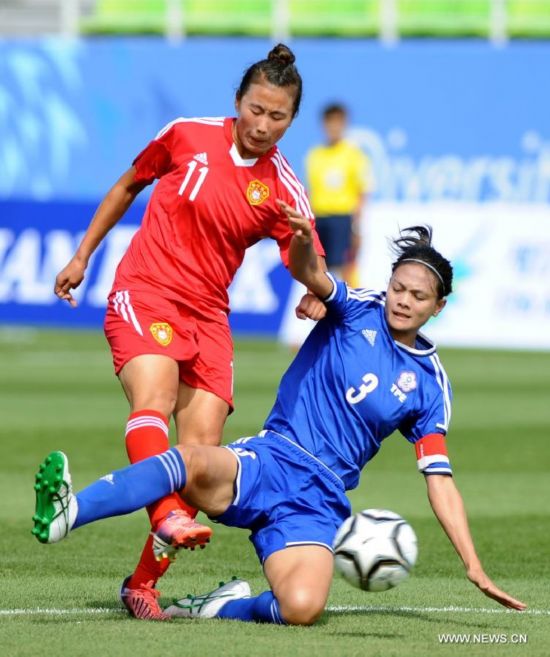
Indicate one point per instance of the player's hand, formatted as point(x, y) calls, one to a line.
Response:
point(70, 278)
point(485, 585)
point(310, 307)
point(300, 225)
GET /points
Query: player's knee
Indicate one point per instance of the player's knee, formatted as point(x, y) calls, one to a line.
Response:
point(196, 463)
point(162, 401)
point(201, 436)
point(301, 607)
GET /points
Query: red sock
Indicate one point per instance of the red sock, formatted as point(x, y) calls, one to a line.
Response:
point(147, 435)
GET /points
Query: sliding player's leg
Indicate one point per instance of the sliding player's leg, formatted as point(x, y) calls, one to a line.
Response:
point(294, 506)
point(300, 579)
point(206, 475)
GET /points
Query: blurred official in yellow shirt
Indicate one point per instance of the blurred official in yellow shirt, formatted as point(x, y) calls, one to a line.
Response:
point(337, 175)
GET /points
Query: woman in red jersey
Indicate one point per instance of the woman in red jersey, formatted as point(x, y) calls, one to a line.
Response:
point(167, 316)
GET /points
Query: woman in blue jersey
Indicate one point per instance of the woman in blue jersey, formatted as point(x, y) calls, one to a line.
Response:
point(364, 372)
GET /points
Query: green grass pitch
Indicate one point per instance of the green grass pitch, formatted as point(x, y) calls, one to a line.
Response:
point(57, 391)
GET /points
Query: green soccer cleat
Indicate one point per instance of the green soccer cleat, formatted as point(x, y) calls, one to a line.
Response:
point(56, 506)
point(209, 604)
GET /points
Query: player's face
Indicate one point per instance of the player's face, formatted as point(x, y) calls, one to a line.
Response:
point(264, 114)
point(335, 127)
point(411, 300)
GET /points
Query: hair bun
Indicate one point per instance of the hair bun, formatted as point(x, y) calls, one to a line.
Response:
point(282, 54)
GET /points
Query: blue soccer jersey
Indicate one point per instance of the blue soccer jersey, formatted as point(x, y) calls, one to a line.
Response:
point(352, 385)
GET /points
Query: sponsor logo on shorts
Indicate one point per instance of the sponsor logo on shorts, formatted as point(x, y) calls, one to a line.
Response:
point(162, 332)
point(257, 192)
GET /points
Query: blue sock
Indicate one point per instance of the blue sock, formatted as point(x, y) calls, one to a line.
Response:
point(131, 488)
point(264, 608)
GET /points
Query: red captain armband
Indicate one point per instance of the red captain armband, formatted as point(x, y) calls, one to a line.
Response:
point(431, 454)
point(153, 162)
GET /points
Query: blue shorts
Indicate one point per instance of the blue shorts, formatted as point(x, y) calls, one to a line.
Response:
point(284, 495)
point(335, 234)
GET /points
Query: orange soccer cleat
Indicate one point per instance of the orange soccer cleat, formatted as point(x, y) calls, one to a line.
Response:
point(177, 531)
point(142, 602)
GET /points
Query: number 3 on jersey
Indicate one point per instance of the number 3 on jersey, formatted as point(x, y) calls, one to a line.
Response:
point(203, 171)
point(370, 383)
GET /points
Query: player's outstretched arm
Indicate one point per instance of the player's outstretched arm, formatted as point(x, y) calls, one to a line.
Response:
point(448, 507)
point(303, 262)
point(110, 211)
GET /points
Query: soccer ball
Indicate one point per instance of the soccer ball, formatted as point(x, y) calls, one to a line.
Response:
point(375, 549)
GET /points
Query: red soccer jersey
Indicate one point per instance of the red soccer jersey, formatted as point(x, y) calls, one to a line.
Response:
point(207, 208)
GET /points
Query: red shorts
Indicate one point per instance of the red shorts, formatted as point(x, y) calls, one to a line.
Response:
point(140, 323)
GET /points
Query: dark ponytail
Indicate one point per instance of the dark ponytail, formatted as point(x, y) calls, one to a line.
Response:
point(278, 69)
point(414, 244)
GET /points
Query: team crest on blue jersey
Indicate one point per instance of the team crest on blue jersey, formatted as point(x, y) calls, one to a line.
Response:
point(406, 381)
point(257, 192)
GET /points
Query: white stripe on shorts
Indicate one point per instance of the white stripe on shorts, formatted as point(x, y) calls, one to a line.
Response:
point(295, 543)
point(120, 307)
point(123, 307)
point(131, 313)
point(237, 484)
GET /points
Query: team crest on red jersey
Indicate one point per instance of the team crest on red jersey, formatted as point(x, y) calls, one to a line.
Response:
point(257, 192)
point(162, 332)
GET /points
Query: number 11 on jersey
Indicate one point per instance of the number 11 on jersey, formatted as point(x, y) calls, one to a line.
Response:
point(202, 175)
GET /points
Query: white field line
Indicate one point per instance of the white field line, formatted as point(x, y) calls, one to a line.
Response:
point(45, 611)
point(340, 609)
point(437, 610)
